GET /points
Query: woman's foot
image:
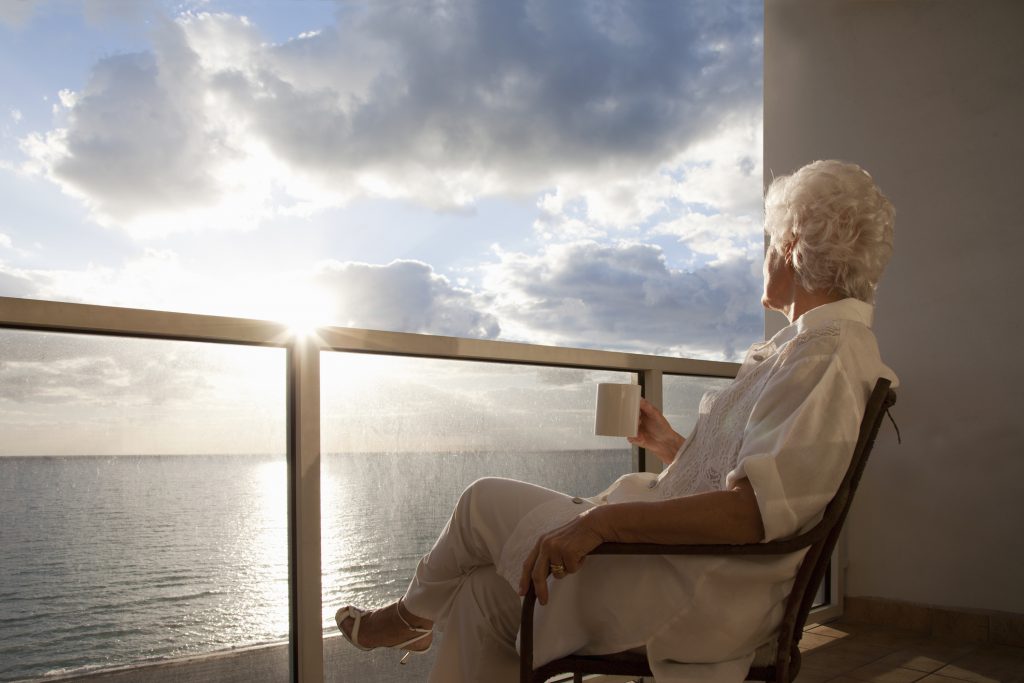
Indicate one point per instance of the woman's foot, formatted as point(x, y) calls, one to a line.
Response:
point(391, 626)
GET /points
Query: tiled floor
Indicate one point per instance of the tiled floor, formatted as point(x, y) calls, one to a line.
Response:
point(843, 652)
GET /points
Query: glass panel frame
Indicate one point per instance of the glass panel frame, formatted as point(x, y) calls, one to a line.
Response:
point(402, 437)
point(199, 539)
point(303, 407)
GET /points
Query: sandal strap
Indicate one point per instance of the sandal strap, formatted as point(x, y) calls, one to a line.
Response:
point(423, 634)
point(356, 615)
point(409, 626)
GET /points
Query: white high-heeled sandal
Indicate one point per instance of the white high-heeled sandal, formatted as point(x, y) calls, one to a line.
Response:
point(357, 615)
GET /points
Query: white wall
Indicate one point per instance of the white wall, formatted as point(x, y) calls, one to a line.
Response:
point(928, 95)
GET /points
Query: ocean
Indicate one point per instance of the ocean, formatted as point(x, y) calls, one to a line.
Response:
point(108, 561)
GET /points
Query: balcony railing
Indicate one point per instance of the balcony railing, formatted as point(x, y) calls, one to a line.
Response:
point(303, 382)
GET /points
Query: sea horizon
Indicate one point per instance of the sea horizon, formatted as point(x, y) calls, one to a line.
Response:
point(113, 560)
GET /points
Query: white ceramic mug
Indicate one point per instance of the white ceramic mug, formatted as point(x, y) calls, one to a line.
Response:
point(618, 409)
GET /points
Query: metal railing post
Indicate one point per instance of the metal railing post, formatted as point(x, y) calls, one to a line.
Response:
point(307, 648)
point(651, 387)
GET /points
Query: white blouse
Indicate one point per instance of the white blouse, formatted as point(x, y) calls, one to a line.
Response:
point(788, 424)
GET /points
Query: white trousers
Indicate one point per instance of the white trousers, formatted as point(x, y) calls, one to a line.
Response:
point(457, 587)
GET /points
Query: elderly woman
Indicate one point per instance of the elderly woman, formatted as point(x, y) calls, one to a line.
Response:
point(765, 457)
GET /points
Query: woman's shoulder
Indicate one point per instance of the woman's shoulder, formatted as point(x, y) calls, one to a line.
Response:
point(832, 338)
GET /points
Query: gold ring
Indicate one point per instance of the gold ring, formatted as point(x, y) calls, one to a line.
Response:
point(557, 569)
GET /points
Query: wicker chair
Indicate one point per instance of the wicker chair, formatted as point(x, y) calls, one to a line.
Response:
point(779, 662)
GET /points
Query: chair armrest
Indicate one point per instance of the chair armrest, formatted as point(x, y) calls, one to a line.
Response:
point(781, 547)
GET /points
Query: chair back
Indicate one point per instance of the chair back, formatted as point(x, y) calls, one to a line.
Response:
point(815, 564)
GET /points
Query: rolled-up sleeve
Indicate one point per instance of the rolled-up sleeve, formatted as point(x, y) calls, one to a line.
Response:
point(798, 442)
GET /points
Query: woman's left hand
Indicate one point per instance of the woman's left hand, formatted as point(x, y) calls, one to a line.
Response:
point(564, 548)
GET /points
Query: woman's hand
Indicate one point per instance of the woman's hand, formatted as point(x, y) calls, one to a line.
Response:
point(655, 434)
point(565, 547)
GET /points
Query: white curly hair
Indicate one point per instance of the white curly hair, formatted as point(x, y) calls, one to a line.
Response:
point(838, 224)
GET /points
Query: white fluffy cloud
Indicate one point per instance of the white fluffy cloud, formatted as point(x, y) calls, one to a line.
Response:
point(406, 296)
point(13, 283)
point(627, 122)
point(403, 296)
point(438, 103)
point(585, 294)
point(708, 197)
point(148, 147)
point(626, 297)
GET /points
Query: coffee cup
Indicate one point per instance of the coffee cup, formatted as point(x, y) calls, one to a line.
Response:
point(618, 409)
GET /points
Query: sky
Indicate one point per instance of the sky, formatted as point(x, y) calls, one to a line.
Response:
point(578, 173)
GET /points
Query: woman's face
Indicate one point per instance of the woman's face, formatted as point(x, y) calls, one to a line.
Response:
point(779, 281)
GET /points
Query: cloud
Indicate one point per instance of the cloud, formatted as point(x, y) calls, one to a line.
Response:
point(15, 285)
point(405, 296)
point(17, 14)
point(440, 103)
point(80, 394)
point(153, 278)
point(44, 368)
point(13, 281)
point(626, 297)
point(402, 296)
point(146, 147)
point(708, 197)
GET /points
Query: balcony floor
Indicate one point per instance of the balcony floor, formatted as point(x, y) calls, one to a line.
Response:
point(848, 652)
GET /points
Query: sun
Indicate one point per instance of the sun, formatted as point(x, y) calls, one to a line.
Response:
point(303, 325)
point(303, 311)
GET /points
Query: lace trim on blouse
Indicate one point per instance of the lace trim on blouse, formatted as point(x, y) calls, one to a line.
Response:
point(714, 447)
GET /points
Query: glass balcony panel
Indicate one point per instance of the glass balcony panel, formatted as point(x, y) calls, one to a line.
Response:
point(143, 493)
point(682, 396)
point(402, 437)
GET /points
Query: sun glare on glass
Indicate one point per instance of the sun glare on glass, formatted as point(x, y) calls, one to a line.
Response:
point(303, 312)
point(303, 325)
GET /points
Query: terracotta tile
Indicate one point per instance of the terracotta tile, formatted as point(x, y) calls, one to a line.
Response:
point(893, 637)
point(956, 673)
point(837, 662)
point(988, 664)
point(812, 673)
point(1007, 629)
point(844, 652)
point(910, 617)
point(889, 613)
point(856, 609)
point(929, 655)
point(908, 659)
point(1008, 651)
point(812, 641)
point(877, 672)
point(831, 630)
point(865, 650)
point(969, 626)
